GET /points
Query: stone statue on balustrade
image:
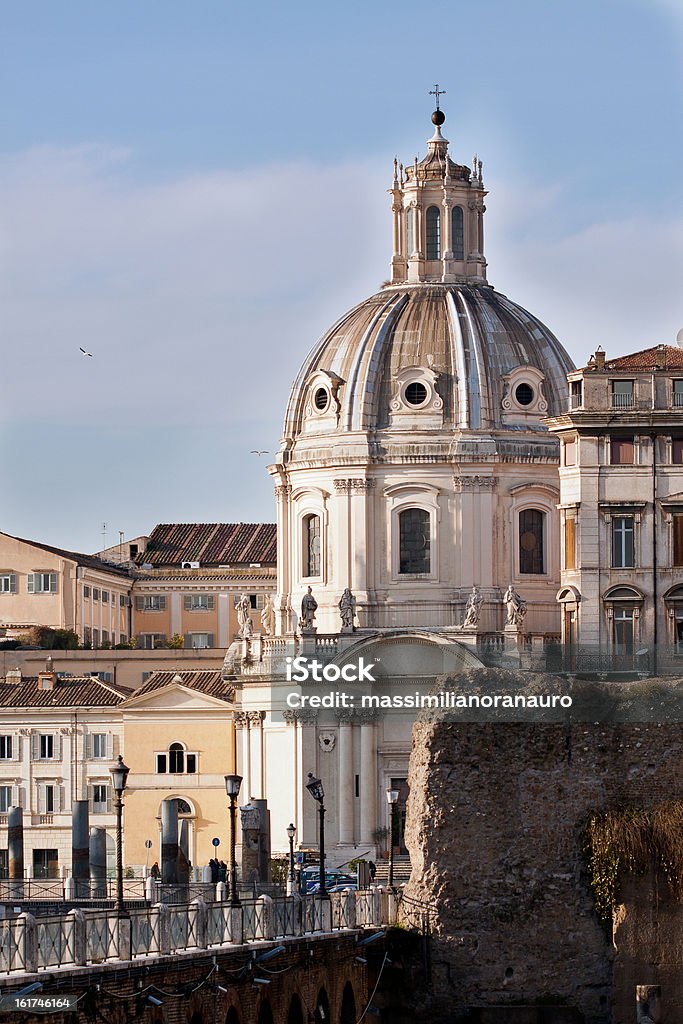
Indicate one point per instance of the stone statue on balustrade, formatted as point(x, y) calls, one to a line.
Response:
point(309, 606)
point(268, 616)
point(347, 610)
point(516, 608)
point(473, 609)
point(243, 608)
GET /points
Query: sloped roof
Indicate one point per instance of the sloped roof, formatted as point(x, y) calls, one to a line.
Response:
point(206, 681)
point(68, 692)
point(210, 544)
point(90, 561)
point(660, 357)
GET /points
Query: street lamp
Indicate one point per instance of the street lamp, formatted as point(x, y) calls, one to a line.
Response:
point(119, 778)
point(315, 788)
point(291, 832)
point(392, 800)
point(232, 788)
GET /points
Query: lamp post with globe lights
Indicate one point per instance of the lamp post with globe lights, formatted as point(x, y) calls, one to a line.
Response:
point(392, 800)
point(119, 777)
point(315, 788)
point(232, 788)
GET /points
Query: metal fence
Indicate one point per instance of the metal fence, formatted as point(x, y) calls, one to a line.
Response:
point(81, 937)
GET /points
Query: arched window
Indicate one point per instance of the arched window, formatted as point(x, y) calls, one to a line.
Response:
point(458, 234)
point(414, 541)
point(176, 759)
point(296, 1013)
point(531, 541)
point(433, 233)
point(311, 545)
point(348, 1006)
point(410, 233)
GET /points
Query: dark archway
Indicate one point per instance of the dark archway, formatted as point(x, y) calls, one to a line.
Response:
point(265, 1014)
point(348, 1006)
point(197, 1017)
point(322, 1008)
point(296, 1013)
point(232, 1016)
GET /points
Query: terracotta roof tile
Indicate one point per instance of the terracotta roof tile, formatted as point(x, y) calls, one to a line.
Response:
point(90, 561)
point(210, 544)
point(207, 681)
point(68, 692)
point(660, 357)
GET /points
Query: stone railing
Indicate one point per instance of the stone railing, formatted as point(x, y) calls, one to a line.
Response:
point(80, 938)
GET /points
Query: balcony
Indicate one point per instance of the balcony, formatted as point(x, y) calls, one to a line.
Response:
point(677, 400)
point(622, 401)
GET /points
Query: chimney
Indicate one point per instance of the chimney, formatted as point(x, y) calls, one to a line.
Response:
point(46, 680)
point(13, 676)
point(599, 358)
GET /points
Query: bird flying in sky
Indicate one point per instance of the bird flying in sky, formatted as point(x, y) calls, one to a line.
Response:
point(85, 353)
point(263, 451)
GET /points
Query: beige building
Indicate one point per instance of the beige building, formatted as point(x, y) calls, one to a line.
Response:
point(58, 738)
point(178, 736)
point(621, 502)
point(42, 585)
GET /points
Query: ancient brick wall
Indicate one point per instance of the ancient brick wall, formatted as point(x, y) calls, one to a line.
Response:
point(496, 818)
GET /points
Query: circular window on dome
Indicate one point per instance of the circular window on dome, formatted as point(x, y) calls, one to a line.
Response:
point(524, 394)
point(416, 393)
point(321, 399)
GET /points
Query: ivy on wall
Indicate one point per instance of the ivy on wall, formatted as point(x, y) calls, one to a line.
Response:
point(633, 841)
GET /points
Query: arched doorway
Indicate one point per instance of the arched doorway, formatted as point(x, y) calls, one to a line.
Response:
point(296, 1013)
point(348, 1006)
point(322, 1008)
point(265, 1014)
point(187, 815)
point(232, 1016)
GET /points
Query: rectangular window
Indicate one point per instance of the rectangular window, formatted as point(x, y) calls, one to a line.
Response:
point(5, 799)
point(678, 539)
point(622, 394)
point(96, 638)
point(5, 748)
point(105, 636)
point(570, 542)
point(8, 583)
point(622, 451)
point(49, 801)
point(87, 635)
point(623, 629)
point(576, 394)
point(105, 596)
point(161, 764)
point(123, 601)
point(678, 394)
point(100, 798)
point(191, 764)
point(198, 602)
point(414, 536)
point(152, 641)
point(622, 542)
point(123, 639)
point(45, 863)
point(99, 745)
point(150, 603)
point(46, 747)
point(86, 591)
point(311, 545)
point(677, 451)
point(201, 641)
point(531, 541)
point(42, 583)
point(95, 593)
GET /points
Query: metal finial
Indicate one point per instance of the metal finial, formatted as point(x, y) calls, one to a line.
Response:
point(437, 92)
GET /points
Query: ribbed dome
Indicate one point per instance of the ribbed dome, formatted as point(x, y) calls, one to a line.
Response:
point(468, 338)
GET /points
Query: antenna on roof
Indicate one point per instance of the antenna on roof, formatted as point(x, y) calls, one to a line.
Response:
point(104, 536)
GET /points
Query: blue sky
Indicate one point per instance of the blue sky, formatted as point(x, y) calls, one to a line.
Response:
point(193, 192)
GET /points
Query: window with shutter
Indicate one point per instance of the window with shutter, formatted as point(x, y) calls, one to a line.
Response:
point(678, 539)
point(5, 799)
point(8, 583)
point(622, 451)
point(5, 748)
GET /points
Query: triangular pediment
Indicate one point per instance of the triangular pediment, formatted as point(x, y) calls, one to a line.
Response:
point(175, 697)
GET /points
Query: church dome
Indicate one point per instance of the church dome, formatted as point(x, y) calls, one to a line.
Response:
point(450, 356)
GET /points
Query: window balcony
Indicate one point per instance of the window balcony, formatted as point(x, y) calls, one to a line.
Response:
point(677, 400)
point(622, 401)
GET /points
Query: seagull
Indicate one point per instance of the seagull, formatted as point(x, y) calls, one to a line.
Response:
point(263, 451)
point(85, 353)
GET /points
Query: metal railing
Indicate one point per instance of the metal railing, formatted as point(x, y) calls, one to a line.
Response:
point(81, 938)
point(622, 401)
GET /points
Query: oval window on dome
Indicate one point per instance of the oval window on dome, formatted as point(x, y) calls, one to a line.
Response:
point(416, 393)
point(524, 394)
point(321, 399)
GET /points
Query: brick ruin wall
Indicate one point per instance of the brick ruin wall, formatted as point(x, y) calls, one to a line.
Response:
point(495, 824)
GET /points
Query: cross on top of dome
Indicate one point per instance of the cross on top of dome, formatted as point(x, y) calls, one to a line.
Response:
point(438, 117)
